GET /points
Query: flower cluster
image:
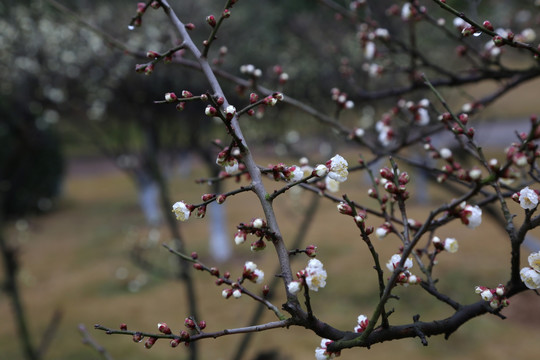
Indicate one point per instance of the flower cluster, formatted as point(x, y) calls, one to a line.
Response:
point(530, 275)
point(322, 353)
point(314, 276)
point(405, 277)
point(496, 297)
point(256, 227)
point(253, 274)
point(341, 98)
point(228, 158)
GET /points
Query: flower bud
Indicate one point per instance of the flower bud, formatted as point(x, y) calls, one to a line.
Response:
point(226, 13)
point(150, 342)
point(344, 208)
point(190, 26)
point(123, 326)
point(152, 54)
point(258, 245)
point(229, 112)
point(488, 25)
point(198, 266)
point(175, 342)
point(258, 223)
point(180, 106)
point(194, 255)
point(311, 251)
point(202, 324)
point(210, 111)
point(211, 20)
point(214, 271)
point(163, 328)
point(265, 290)
point(189, 323)
point(138, 337)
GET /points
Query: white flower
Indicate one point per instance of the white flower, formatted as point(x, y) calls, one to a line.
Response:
point(369, 50)
point(406, 11)
point(296, 174)
point(385, 135)
point(359, 132)
point(322, 354)
point(338, 168)
point(225, 293)
point(534, 261)
point(486, 295)
point(363, 322)
point(237, 293)
point(331, 184)
point(294, 287)
point(315, 275)
point(259, 276)
point(395, 260)
point(230, 110)
point(528, 35)
point(528, 198)
point(321, 170)
point(181, 211)
point(307, 170)
point(231, 166)
point(252, 273)
point(451, 245)
point(474, 216)
point(446, 153)
point(382, 33)
point(258, 223)
point(530, 277)
point(423, 117)
point(250, 266)
point(381, 232)
point(240, 237)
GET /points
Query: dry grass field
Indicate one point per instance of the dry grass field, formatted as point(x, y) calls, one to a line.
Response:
point(71, 259)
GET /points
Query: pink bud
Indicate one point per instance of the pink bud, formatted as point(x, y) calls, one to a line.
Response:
point(226, 13)
point(150, 342)
point(175, 342)
point(488, 25)
point(180, 106)
point(138, 337)
point(190, 26)
point(163, 328)
point(152, 54)
point(123, 326)
point(211, 20)
point(253, 98)
point(198, 266)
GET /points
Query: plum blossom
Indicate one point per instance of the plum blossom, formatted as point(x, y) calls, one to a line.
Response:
point(338, 168)
point(231, 166)
point(363, 322)
point(321, 353)
point(395, 260)
point(331, 184)
point(472, 216)
point(181, 211)
point(451, 245)
point(294, 287)
point(295, 174)
point(252, 273)
point(530, 275)
point(528, 198)
point(315, 275)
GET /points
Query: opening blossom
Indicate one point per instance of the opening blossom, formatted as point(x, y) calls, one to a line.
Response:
point(530, 275)
point(472, 216)
point(363, 322)
point(528, 198)
point(252, 273)
point(338, 168)
point(181, 210)
point(322, 354)
point(315, 275)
